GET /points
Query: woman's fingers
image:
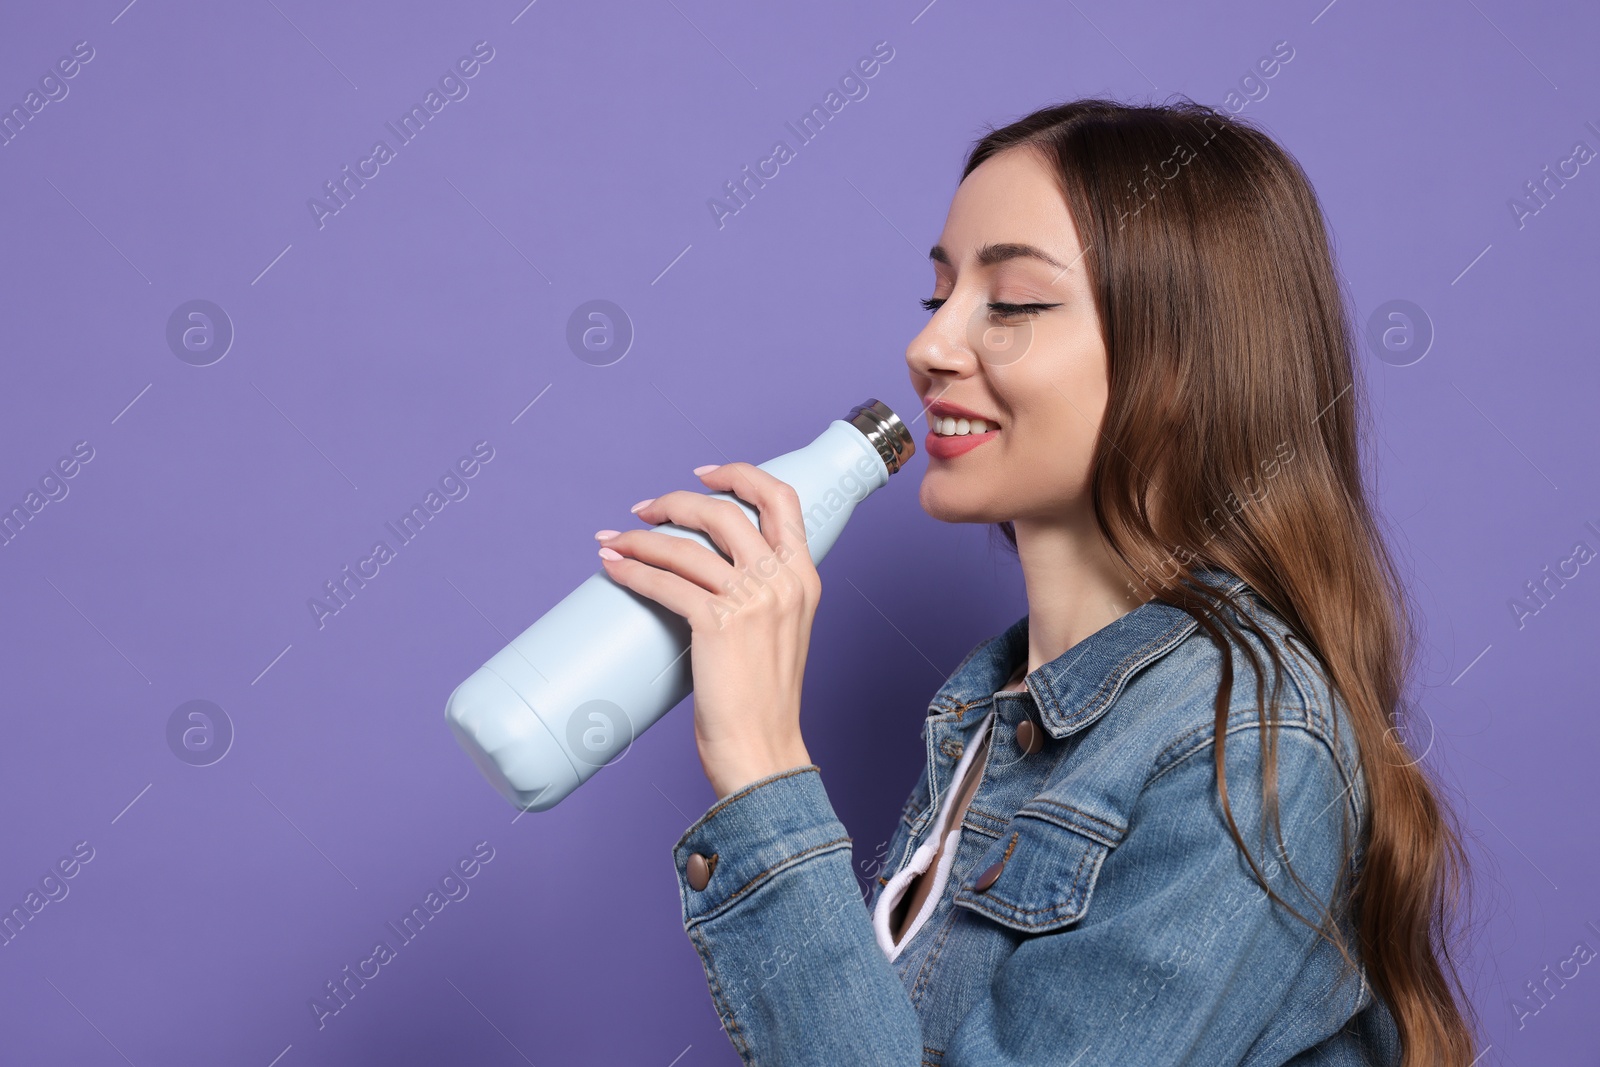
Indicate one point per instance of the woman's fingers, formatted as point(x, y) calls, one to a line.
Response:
point(721, 520)
point(782, 524)
point(678, 595)
point(771, 564)
point(692, 562)
point(679, 573)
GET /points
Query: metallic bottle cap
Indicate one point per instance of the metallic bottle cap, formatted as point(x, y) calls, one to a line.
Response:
point(884, 429)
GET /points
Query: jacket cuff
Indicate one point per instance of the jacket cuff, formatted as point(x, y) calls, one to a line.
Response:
point(751, 835)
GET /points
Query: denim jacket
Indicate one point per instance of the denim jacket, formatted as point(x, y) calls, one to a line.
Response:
point(1124, 926)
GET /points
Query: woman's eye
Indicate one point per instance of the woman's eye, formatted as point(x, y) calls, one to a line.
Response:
point(996, 308)
point(1007, 310)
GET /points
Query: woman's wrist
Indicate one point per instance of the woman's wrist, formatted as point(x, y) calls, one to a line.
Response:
point(730, 776)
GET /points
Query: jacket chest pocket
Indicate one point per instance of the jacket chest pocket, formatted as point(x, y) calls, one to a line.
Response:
point(1040, 874)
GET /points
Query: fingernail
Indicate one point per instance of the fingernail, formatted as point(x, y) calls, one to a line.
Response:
point(640, 505)
point(605, 535)
point(707, 467)
point(609, 553)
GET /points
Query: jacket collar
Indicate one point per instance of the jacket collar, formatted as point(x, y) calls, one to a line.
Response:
point(1074, 689)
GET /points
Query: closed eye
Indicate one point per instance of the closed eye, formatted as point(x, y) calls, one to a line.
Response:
point(1019, 309)
point(997, 307)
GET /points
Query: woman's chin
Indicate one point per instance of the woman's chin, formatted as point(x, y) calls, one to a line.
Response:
point(955, 506)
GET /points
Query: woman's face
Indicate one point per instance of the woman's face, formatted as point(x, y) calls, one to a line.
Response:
point(1036, 369)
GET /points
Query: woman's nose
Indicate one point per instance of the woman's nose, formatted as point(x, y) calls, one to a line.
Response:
point(940, 350)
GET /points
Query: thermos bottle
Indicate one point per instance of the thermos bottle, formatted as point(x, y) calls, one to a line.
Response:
point(573, 690)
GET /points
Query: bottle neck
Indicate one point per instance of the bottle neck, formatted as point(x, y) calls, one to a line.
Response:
point(884, 430)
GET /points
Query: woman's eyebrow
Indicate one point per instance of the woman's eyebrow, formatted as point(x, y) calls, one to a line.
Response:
point(991, 254)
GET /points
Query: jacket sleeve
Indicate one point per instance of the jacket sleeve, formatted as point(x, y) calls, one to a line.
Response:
point(784, 935)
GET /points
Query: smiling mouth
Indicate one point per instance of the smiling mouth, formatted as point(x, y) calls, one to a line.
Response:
point(948, 446)
point(954, 427)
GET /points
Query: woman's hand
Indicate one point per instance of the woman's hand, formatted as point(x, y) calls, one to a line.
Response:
point(750, 620)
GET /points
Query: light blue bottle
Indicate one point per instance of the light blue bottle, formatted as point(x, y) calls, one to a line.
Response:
point(575, 689)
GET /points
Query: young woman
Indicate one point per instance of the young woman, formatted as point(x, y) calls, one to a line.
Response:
point(1167, 816)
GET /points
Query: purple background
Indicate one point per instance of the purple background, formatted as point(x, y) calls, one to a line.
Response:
point(427, 315)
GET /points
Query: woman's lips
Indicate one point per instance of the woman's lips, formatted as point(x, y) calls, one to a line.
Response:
point(951, 447)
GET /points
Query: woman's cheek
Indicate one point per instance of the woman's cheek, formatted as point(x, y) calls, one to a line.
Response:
point(1051, 466)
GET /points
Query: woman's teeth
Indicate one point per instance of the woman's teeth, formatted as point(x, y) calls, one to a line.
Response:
point(949, 427)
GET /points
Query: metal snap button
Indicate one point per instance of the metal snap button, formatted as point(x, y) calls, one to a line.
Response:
point(1029, 737)
point(987, 878)
point(700, 869)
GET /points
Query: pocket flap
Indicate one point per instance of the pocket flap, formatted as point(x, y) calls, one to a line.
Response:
point(1049, 860)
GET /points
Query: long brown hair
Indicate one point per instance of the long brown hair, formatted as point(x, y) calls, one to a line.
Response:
point(1230, 440)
